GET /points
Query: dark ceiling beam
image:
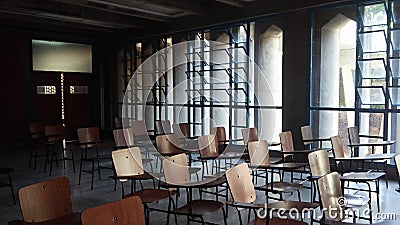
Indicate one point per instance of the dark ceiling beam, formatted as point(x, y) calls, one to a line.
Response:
point(192, 6)
point(105, 8)
point(71, 13)
point(237, 3)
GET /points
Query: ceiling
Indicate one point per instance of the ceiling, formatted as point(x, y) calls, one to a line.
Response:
point(130, 18)
point(105, 15)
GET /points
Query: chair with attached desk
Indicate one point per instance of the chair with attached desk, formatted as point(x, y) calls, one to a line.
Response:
point(124, 212)
point(333, 200)
point(182, 130)
point(309, 139)
point(244, 197)
point(259, 157)
point(55, 139)
point(37, 142)
point(354, 139)
point(220, 134)
point(89, 141)
point(140, 131)
point(319, 164)
point(128, 166)
point(47, 201)
point(288, 153)
point(178, 176)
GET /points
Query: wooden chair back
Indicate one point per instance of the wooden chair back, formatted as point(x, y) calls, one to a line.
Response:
point(220, 133)
point(54, 133)
point(139, 128)
point(241, 184)
point(331, 196)
point(122, 212)
point(182, 130)
point(46, 200)
point(208, 146)
point(319, 163)
point(128, 162)
point(306, 134)
point(354, 136)
point(249, 135)
point(176, 170)
point(123, 137)
point(397, 162)
point(337, 146)
point(163, 127)
point(168, 144)
point(36, 130)
point(258, 153)
point(88, 134)
point(286, 141)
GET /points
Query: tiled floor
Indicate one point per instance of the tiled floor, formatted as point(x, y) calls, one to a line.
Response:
point(83, 197)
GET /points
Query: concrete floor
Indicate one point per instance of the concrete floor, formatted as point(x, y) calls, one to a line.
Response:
point(83, 197)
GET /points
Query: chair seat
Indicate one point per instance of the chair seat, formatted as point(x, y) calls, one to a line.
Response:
point(277, 221)
point(72, 219)
point(152, 195)
point(200, 207)
point(281, 187)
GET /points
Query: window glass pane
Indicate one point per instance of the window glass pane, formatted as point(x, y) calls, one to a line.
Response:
point(372, 69)
point(371, 95)
point(374, 41)
point(374, 14)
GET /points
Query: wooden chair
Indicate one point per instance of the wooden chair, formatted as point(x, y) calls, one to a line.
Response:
point(89, 140)
point(331, 195)
point(55, 139)
point(354, 137)
point(7, 171)
point(140, 131)
point(287, 146)
point(177, 174)
point(397, 161)
point(307, 134)
point(339, 152)
point(122, 212)
point(128, 164)
point(244, 197)
point(259, 155)
point(249, 135)
point(163, 127)
point(168, 144)
point(37, 142)
point(48, 200)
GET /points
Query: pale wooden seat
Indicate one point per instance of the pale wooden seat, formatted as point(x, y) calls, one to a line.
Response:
point(55, 137)
point(309, 139)
point(46, 201)
point(125, 211)
point(244, 196)
point(176, 173)
point(259, 156)
point(89, 141)
point(128, 164)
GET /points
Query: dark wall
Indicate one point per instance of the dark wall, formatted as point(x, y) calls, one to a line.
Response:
point(14, 83)
point(296, 84)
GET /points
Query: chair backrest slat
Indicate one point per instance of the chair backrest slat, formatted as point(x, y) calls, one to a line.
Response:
point(286, 139)
point(354, 136)
point(88, 134)
point(259, 153)
point(306, 134)
point(128, 162)
point(208, 146)
point(122, 212)
point(168, 144)
point(123, 137)
point(337, 146)
point(163, 127)
point(319, 163)
point(176, 170)
point(249, 135)
point(46, 200)
point(55, 133)
point(330, 194)
point(241, 184)
point(182, 130)
point(139, 128)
